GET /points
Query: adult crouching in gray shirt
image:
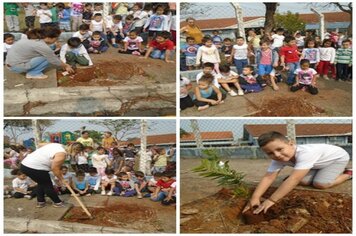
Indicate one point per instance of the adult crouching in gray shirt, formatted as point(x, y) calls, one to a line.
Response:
point(33, 55)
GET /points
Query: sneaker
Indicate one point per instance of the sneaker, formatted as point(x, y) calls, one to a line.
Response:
point(240, 92)
point(109, 193)
point(7, 196)
point(28, 197)
point(40, 204)
point(103, 192)
point(348, 172)
point(326, 77)
point(232, 93)
point(59, 205)
point(36, 76)
point(139, 196)
point(115, 45)
point(88, 195)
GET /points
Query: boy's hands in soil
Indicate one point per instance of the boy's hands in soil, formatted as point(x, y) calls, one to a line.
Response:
point(263, 207)
point(251, 204)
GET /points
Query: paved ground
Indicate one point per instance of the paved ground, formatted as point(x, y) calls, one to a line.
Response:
point(193, 187)
point(334, 97)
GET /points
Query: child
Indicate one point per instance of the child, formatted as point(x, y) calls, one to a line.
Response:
point(118, 159)
point(128, 25)
point(80, 184)
point(85, 139)
point(100, 161)
point(190, 50)
point(123, 186)
point(226, 77)
point(74, 52)
point(82, 158)
point(23, 186)
point(156, 23)
point(83, 33)
point(12, 17)
point(107, 140)
point(208, 68)
point(278, 39)
point(171, 197)
point(77, 15)
point(87, 13)
point(299, 40)
point(217, 40)
point(266, 59)
point(140, 17)
point(343, 60)
point(30, 13)
point(45, 15)
point(98, 9)
point(327, 59)
point(108, 182)
point(98, 24)
point(9, 40)
point(96, 44)
point(208, 53)
point(129, 154)
point(93, 180)
point(240, 53)
point(290, 58)
point(67, 177)
point(249, 82)
point(160, 162)
point(53, 9)
point(319, 165)
point(311, 53)
point(163, 186)
point(132, 44)
point(161, 47)
point(140, 184)
point(185, 99)
point(64, 17)
point(226, 48)
point(152, 183)
point(207, 94)
point(115, 32)
point(305, 78)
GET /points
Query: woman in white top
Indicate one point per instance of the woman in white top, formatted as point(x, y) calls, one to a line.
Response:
point(38, 164)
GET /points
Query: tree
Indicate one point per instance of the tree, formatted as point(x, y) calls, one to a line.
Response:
point(16, 128)
point(269, 16)
point(42, 126)
point(345, 7)
point(119, 128)
point(290, 22)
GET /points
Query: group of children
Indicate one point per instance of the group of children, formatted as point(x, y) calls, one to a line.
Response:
point(128, 28)
point(302, 58)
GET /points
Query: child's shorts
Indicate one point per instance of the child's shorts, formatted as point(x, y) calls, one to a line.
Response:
point(190, 61)
point(328, 174)
point(65, 26)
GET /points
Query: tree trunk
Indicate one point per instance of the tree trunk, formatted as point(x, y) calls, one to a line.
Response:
point(269, 16)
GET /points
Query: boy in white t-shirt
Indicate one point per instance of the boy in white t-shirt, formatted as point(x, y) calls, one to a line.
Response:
point(227, 77)
point(208, 68)
point(319, 165)
point(132, 44)
point(278, 39)
point(45, 15)
point(23, 186)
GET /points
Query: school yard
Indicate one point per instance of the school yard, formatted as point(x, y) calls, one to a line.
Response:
point(111, 215)
point(303, 210)
point(334, 99)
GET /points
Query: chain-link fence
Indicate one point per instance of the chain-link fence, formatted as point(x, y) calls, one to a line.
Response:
point(238, 137)
point(149, 137)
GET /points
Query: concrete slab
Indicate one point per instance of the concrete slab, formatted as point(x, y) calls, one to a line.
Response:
point(18, 81)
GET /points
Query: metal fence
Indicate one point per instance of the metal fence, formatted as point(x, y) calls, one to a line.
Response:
point(237, 138)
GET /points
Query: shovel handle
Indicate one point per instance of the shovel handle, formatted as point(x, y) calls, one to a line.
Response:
point(78, 200)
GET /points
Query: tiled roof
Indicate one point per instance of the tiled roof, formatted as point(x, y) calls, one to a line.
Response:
point(302, 129)
point(209, 136)
point(154, 139)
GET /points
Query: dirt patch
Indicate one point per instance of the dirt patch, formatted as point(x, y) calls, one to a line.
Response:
point(103, 74)
point(130, 216)
point(282, 106)
point(299, 212)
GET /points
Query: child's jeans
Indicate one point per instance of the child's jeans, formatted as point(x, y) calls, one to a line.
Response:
point(73, 59)
point(264, 69)
point(291, 76)
point(128, 193)
point(110, 36)
point(324, 67)
point(33, 68)
point(158, 54)
point(342, 71)
point(160, 196)
point(240, 64)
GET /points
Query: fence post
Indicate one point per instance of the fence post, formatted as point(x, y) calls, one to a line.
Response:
point(239, 19)
point(143, 154)
point(36, 132)
point(291, 130)
point(198, 140)
point(322, 22)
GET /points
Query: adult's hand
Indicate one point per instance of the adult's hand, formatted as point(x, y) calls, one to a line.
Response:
point(68, 68)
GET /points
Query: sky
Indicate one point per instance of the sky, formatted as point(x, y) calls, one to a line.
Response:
point(214, 10)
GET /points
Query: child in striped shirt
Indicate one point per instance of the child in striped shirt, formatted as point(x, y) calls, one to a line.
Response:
point(343, 60)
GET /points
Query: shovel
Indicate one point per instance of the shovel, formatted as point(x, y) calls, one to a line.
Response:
point(78, 200)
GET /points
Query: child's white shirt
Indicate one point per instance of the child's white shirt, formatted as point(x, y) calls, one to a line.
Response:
point(215, 81)
point(115, 27)
point(157, 23)
point(106, 179)
point(240, 51)
point(82, 52)
point(183, 87)
point(44, 18)
point(312, 156)
point(22, 184)
point(152, 182)
point(208, 54)
point(133, 43)
point(83, 36)
point(142, 18)
point(97, 26)
point(82, 158)
point(7, 47)
point(327, 54)
point(277, 40)
point(100, 161)
point(228, 76)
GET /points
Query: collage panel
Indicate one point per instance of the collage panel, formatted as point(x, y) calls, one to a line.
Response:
point(89, 176)
point(89, 59)
point(265, 59)
point(266, 176)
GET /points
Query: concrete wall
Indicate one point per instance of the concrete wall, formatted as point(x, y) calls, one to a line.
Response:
point(236, 152)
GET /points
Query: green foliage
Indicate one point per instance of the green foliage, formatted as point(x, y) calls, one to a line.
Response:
point(290, 22)
point(212, 167)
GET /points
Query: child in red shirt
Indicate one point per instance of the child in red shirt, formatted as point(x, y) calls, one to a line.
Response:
point(289, 55)
point(164, 186)
point(161, 47)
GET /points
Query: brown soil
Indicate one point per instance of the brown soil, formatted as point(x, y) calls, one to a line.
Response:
point(103, 74)
point(299, 212)
point(281, 106)
point(129, 216)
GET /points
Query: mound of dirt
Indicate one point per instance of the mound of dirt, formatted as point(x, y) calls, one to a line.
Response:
point(301, 211)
